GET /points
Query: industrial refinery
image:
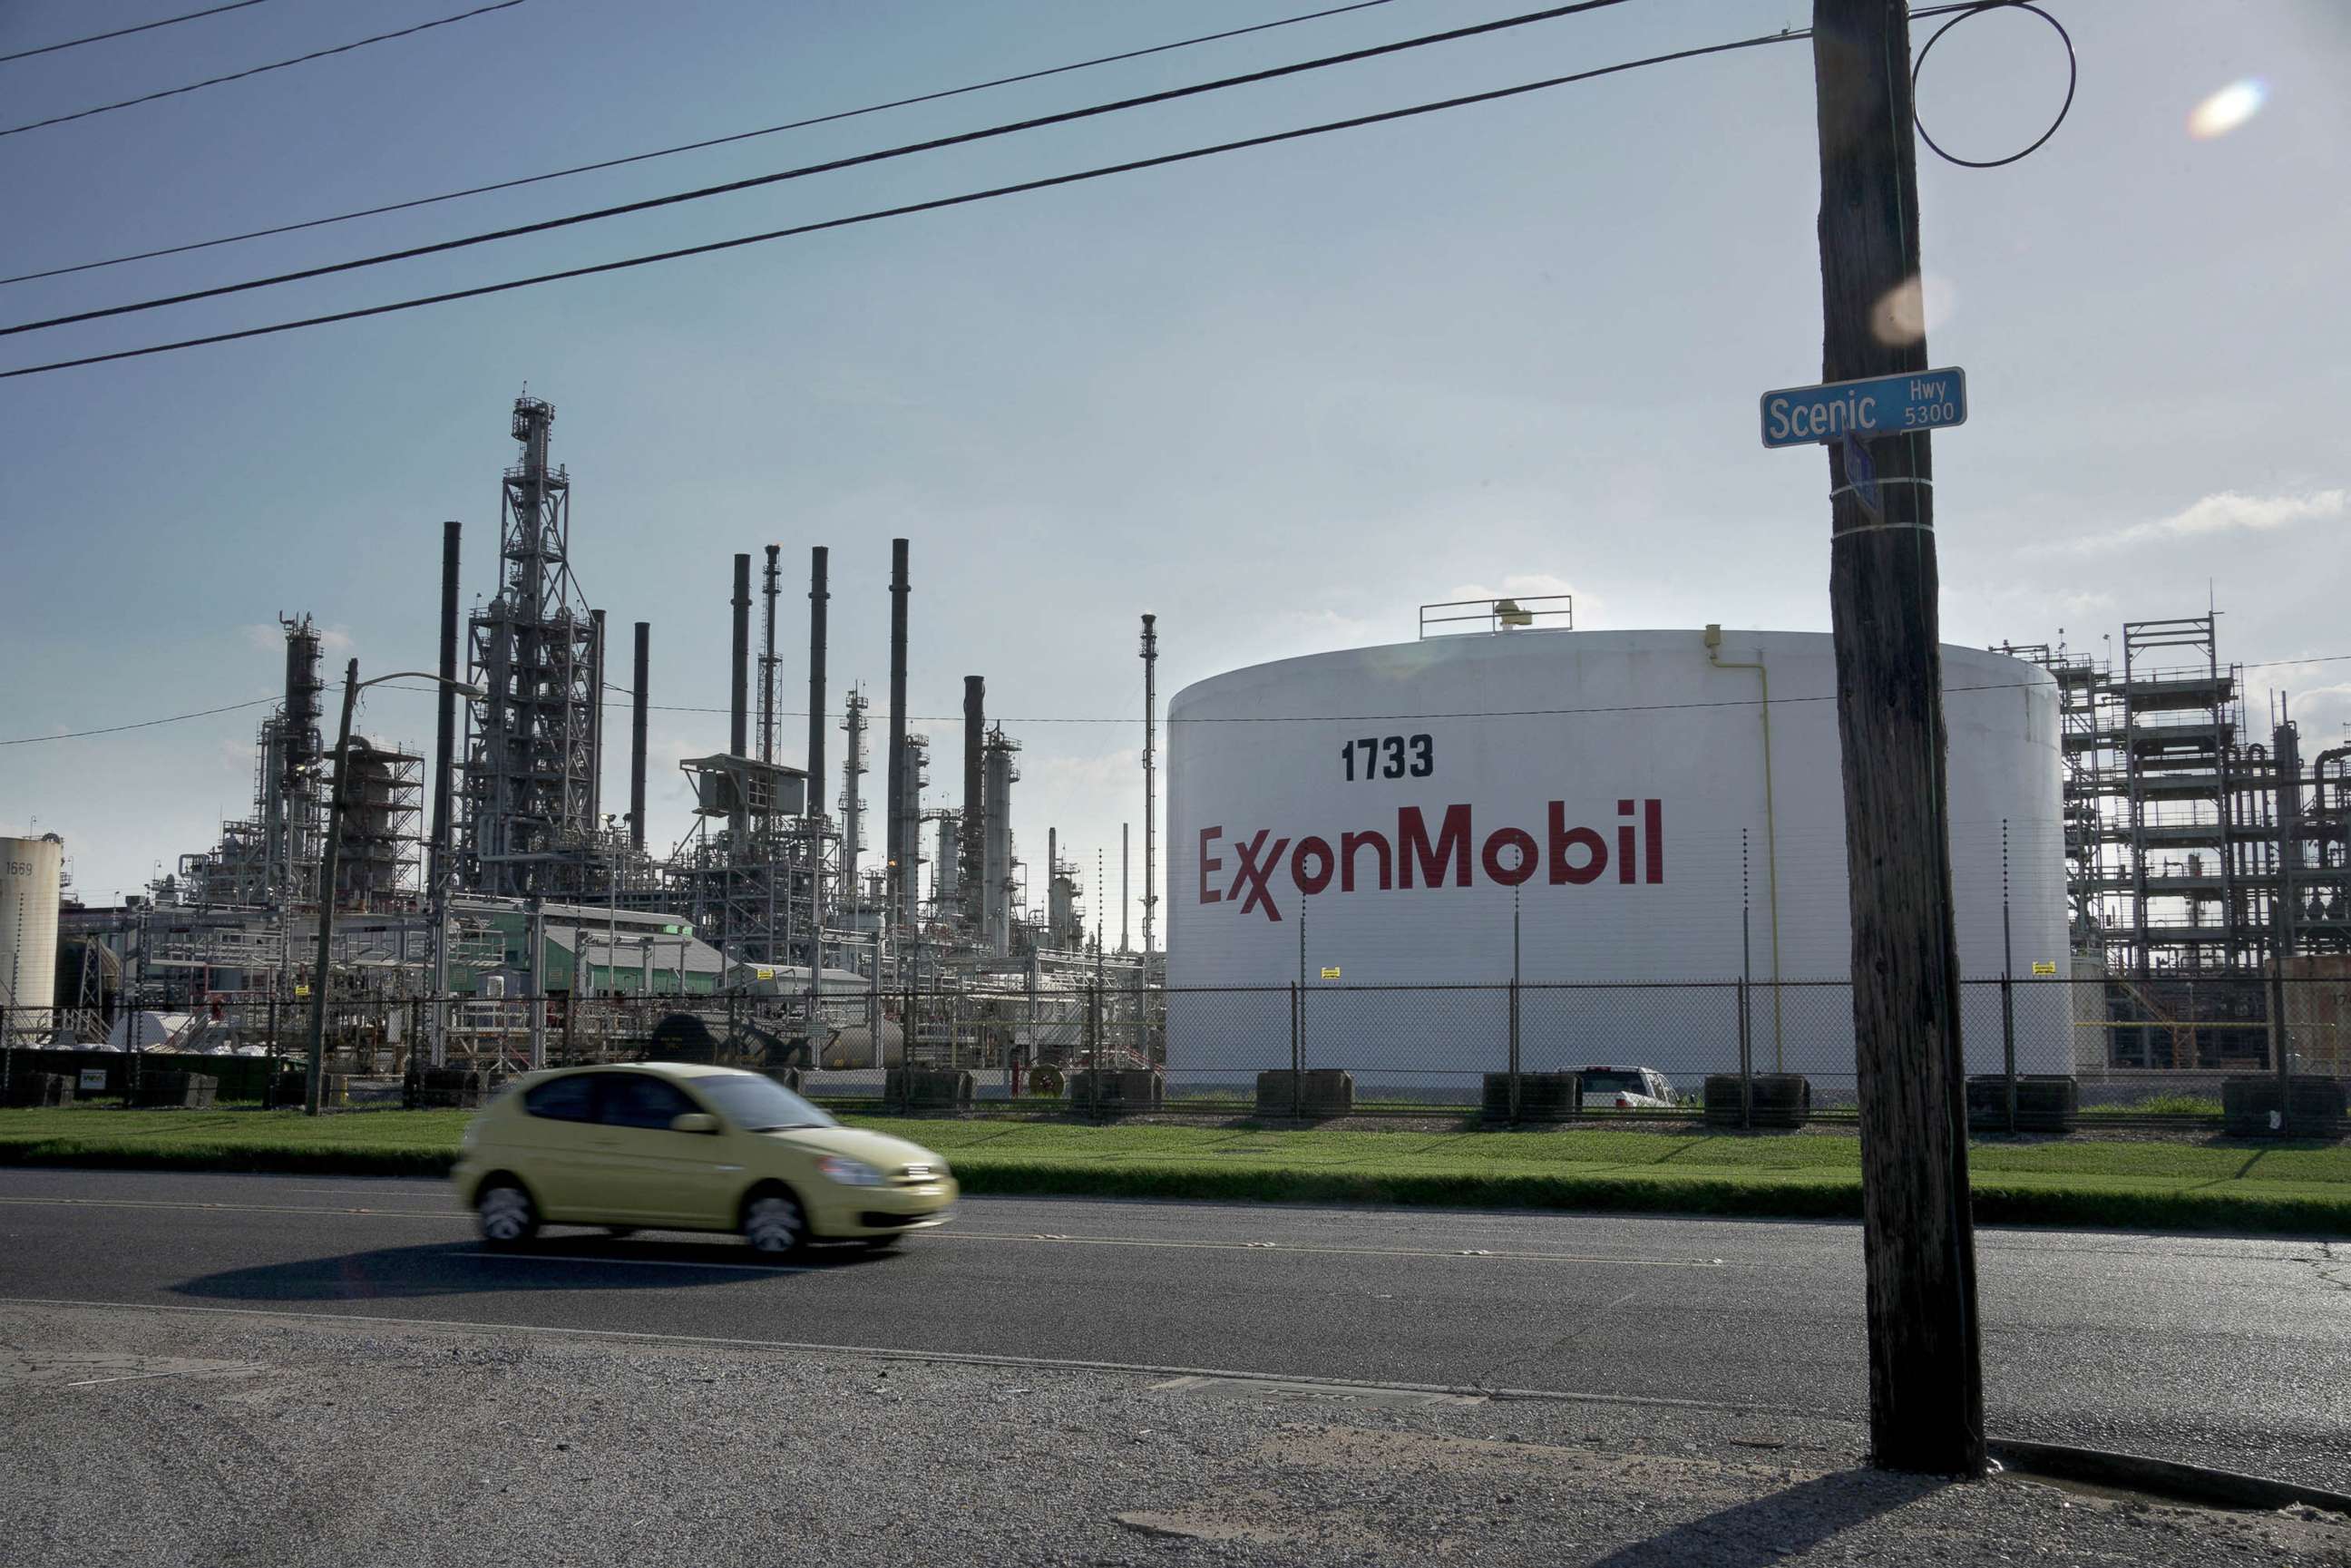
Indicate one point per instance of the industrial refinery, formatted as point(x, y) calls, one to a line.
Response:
point(494, 883)
point(1566, 808)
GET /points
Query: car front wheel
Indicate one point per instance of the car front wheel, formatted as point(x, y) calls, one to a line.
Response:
point(507, 1215)
point(775, 1224)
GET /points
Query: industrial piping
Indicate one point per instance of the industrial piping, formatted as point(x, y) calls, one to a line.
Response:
point(1150, 777)
point(819, 594)
point(1771, 826)
point(768, 662)
point(445, 728)
point(637, 702)
point(595, 718)
point(901, 886)
point(739, 711)
point(972, 888)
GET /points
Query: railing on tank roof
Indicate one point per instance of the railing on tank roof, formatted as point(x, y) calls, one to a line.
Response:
point(1548, 611)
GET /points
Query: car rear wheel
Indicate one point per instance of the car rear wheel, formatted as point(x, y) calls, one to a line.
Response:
point(506, 1215)
point(775, 1224)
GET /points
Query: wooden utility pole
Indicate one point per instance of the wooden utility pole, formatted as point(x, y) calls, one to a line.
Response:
point(1926, 1373)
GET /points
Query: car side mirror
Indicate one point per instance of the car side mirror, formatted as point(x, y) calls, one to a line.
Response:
point(694, 1121)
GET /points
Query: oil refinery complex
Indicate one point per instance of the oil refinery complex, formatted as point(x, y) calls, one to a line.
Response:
point(495, 877)
point(1630, 816)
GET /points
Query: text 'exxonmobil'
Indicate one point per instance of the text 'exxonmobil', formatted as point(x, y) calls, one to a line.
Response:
point(1370, 859)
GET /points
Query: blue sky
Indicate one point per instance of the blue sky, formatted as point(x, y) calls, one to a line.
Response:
point(1279, 398)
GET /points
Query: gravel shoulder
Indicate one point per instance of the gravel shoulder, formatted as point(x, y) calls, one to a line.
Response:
point(141, 1436)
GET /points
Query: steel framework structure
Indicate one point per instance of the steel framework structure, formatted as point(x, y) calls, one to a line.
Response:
point(531, 742)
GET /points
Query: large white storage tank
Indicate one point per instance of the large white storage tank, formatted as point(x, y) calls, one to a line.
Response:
point(32, 876)
point(1382, 811)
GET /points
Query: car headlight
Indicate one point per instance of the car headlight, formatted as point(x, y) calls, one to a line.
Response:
point(848, 1172)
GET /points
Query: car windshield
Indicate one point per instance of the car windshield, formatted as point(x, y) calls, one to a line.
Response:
point(1612, 1080)
point(758, 1104)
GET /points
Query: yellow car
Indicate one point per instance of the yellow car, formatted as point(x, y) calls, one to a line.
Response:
point(673, 1146)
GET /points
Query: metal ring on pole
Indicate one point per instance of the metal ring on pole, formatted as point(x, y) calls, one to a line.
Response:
point(2073, 79)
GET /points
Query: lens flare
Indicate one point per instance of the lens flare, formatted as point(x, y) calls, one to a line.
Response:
point(1910, 309)
point(2228, 109)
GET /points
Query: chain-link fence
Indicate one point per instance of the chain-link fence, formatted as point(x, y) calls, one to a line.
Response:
point(1637, 1049)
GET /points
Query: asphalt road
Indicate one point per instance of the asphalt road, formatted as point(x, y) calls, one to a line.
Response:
point(2213, 1350)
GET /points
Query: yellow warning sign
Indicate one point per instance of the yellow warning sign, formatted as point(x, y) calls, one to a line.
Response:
point(2043, 966)
point(1331, 971)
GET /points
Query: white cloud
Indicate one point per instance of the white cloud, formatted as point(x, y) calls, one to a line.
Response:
point(2224, 513)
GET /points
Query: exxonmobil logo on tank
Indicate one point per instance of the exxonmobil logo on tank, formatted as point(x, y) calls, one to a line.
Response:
point(1266, 872)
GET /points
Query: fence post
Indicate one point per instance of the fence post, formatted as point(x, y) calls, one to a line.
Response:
point(1297, 1050)
point(1514, 1050)
point(2008, 1044)
point(2282, 1047)
point(1746, 1057)
point(1094, 1049)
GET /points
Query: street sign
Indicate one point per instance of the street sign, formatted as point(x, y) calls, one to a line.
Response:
point(1861, 472)
point(1881, 405)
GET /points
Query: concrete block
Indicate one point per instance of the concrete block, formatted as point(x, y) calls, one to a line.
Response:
point(1320, 1091)
point(1779, 1100)
point(1117, 1089)
point(1542, 1096)
point(182, 1090)
point(41, 1089)
point(2251, 1105)
point(2045, 1102)
point(930, 1088)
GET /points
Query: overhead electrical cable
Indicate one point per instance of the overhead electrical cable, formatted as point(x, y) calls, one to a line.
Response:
point(256, 70)
point(1165, 719)
point(937, 204)
point(142, 723)
point(692, 146)
point(857, 159)
point(126, 32)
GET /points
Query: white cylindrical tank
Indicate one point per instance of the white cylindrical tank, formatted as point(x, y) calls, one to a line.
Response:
point(32, 874)
point(1385, 813)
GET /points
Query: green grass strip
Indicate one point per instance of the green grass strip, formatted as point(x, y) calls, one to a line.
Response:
point(2300, 1188)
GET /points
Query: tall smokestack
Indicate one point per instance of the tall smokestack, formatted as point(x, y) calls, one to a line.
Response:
point(975, 834)
point(596, 718)
point(637, 700)
point(739, 731)
point(767, 662)
point(1150, 776)
point(444, 728)
point(896, 837)
point(819, 594)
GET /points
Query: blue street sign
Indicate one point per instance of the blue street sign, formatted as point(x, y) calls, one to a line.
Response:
point(1882, 405)
point(1861, 472)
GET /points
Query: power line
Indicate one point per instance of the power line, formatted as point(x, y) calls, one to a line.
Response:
point(1047, 183)
point(256, 70)
point(149, 723)
point(730, 187)
point(126, 32)
point(1249, 718)
point(694, 146)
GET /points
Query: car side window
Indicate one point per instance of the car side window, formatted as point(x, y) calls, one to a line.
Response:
point(569, 1099)
point(635, 1100)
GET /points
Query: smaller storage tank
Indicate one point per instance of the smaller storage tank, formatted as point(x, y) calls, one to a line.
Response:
point(32, 880)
